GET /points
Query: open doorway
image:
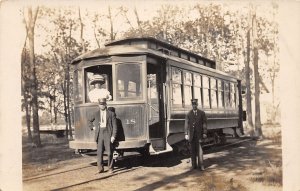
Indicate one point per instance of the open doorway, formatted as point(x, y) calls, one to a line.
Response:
point(157, 131)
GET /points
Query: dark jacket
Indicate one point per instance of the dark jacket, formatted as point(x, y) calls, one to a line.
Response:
point(195, 124)
point(111, 125)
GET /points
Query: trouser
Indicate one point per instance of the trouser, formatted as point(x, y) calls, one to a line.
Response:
point(104, 143)
point(196, 152)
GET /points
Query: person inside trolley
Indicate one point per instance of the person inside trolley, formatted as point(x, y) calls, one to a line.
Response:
point(98, 92)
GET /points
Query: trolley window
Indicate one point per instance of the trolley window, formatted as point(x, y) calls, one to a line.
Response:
point(206, 97)
point(226, 94)
point(129, 83)
point(221, 94)
point(187, 88)
point(233, 95)
point(197, 88)
point(98, 82)
point(176, 87)
point(213, 93)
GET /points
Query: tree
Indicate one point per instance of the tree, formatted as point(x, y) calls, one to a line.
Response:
point(26, 101)
point(30, 25)
point(247, 75)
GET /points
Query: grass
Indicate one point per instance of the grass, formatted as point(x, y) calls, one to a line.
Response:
point(270, 174)
point(214, 183)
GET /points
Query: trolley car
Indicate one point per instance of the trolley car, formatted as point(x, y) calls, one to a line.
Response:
point(152, 83)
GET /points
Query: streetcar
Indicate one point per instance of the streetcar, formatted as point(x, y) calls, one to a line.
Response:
point(152, 83)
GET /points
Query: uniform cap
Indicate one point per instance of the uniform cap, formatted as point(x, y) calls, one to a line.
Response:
point(194, 101)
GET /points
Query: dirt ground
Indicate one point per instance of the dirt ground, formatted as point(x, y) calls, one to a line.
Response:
point(247, 166)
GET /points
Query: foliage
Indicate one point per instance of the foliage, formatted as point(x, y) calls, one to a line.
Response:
point(214, 30)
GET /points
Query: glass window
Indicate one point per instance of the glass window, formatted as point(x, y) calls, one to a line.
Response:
point(233, 95)
point(176, 75)
point(187, 88)
point(226, 94)
point(197, 80)
point(205, 82)
point(177, 97)
point(128, 81)
point(213, 92)
point(98, 82)
point(197, 88)
point(221, 94)
point(206, 93)
point(187, 78)
point(176, 86)
point(187, 95)
point(206, 98)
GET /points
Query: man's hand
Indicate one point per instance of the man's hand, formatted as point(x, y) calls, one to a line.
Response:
point(204, 136)
point(112, 139)
point(186, 137)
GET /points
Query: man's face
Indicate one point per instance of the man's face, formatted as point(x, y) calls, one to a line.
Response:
point(194, 105)
point(102, 106)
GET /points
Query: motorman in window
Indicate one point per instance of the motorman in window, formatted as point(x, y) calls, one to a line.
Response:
point(105, 125)
point(195, 131)
point(98, 92)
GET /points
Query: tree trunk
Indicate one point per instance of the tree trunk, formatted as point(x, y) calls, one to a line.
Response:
point(257, 94)
point(55, 110)
point(30, 24)
point(68, 100)
point(81, 32)
point(50, 109)
point(248, 86)
point(112, 36)
point(258, 129)
point(28, 116)
point(65, 108)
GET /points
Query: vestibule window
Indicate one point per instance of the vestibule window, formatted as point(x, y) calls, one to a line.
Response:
point(129, 81)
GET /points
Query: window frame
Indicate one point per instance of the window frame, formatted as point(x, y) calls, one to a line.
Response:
point(115, 82)
point(180, 84)
point(197, 86)
point(208, 90)
point(187, 103)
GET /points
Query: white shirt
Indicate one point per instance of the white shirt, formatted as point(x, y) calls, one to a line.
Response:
point(102, 118)
point(96, 93)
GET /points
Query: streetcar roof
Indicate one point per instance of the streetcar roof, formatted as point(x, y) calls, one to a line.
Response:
point(126, 47)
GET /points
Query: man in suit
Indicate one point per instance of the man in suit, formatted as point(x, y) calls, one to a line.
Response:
point(196, 130)
point(105, 126)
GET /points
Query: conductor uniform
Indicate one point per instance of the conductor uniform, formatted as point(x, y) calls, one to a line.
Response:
point(195, 131)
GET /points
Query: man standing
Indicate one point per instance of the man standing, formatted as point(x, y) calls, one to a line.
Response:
point(104, 121)
point(98, 92)
point(195, 130)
